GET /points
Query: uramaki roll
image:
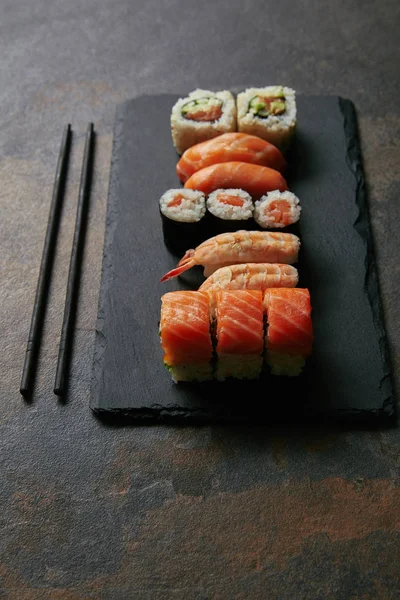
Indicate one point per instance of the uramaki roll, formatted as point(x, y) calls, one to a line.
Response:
point(239, 316)
point(289, 335)
point(201, 116)
point(185, 335)
point(270, 113)
point(237, 333)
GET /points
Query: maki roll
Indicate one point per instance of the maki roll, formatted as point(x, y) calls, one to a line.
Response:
point(182, 214)
point(277, 209)
point(185, 335)
point(229, 210)
point(230, 147)
point(201, 116)
point(289, 336)
point(239, 331)
point(269, 113)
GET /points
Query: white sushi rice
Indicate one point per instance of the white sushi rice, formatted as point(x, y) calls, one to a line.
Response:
point(229, 211)
point(276, 129)
point(186, 133)
point(238, 366)
point(289, 365)
point(191, 209)
point(191, 372)
point(264, 210)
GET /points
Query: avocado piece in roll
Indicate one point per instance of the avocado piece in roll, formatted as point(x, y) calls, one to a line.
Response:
point(264, 105)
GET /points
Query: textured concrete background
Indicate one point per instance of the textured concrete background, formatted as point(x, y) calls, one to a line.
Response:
point(89, 511)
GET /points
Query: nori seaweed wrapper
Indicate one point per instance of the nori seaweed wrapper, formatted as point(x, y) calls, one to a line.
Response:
point(217, 225)
point(180, 236)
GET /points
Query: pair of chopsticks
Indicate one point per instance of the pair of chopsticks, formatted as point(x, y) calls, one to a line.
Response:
point(46, 264)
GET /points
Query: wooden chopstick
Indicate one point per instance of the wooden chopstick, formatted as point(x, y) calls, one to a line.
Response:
point(46, 264)
point(74, 266)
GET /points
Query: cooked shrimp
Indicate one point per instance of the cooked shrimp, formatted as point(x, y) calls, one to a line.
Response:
point(239, 247)
point(251, 276)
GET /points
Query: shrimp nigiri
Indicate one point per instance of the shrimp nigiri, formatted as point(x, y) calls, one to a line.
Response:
point(251, 276)
point(254, 179)
point(239, 247)
point(230, 147)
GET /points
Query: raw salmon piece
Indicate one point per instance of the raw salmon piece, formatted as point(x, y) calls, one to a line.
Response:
point(185, 327)
point(290, 328)
point(281, 212)
point(231, 199)
point(254, 179)
point(230, 147)
point(209, 113)
point(239, 316)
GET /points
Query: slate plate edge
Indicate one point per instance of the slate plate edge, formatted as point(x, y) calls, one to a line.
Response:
point(107, 266)
point(363, 227)
point(175, 413)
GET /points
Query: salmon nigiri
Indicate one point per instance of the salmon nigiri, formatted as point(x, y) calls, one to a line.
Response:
point(290, 333)
point(254, 179)
point(185, 335)
point(239, 315)
point(230, 147)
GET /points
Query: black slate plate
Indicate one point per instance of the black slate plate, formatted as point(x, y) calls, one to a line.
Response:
point(348, 373)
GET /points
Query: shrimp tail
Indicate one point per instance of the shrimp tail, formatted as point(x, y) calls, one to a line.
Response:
point(186, 263)
point(188, 255)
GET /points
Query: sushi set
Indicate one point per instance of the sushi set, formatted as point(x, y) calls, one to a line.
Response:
point(211, 268)
point(218, 332)
point(224, 166)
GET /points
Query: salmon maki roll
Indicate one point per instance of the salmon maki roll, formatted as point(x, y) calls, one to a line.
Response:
point(230, 147)
point(253, 179)
point(185, 335)
point(229, 210)
point(239, 317)
point(183, 219)
point(289, 336)
point(277, 210)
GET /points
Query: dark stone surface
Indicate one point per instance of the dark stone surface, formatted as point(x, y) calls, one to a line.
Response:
point(348, 374)
point(100, 512)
